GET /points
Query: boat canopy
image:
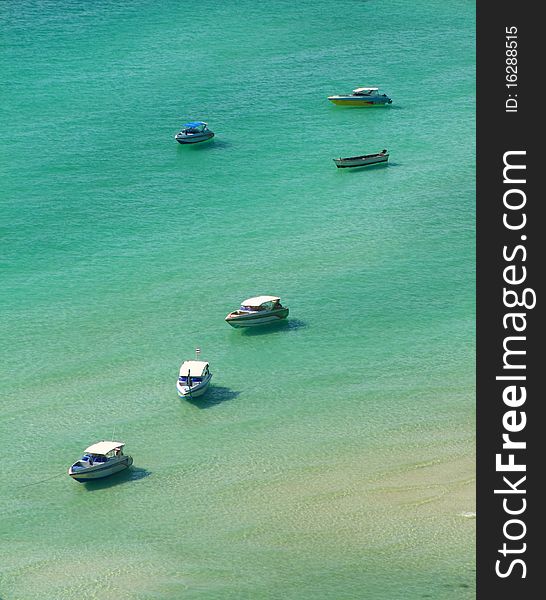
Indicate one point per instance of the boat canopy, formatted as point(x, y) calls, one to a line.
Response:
point(365, 90)
point(104, 447)
point(259, 300)
point(195, 125)
point(196, 368)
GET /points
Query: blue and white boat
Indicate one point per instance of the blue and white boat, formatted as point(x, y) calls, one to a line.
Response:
point(192, 133)
point(193, 378)
point(100, 460)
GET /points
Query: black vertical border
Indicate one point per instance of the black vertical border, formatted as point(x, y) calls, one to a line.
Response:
point(499, 131)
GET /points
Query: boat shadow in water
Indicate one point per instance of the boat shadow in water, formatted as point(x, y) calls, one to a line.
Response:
point(216, 394)
point(126, 476)
point(288, 325)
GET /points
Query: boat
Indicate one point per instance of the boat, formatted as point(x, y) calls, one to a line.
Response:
point(362, 161)
point(100, 460)
point(362, 96)
point(191, 133)
point(258, 311)
point(193, 378)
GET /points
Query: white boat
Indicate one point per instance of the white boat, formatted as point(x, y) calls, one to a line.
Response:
point(258, 311)
point(100, 460)
point(192, 133)
point(363, 96)
point(193, 378)
point(362, 161)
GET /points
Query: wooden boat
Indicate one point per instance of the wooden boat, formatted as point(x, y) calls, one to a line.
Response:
point(362, 161)
point(260, 310)
point(100, 460)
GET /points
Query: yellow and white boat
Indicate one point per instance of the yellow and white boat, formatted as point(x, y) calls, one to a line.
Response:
point(363, 96)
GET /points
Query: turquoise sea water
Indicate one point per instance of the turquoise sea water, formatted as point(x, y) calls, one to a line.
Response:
point(333, 457)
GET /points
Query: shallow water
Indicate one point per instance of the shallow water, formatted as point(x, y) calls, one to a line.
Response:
point(333, 455)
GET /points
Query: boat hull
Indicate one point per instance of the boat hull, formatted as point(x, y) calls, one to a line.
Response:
point(100, 471)
point(254, 319)
point(193, 139)
point(364, 102)
point(194, 391)
point(347, 163)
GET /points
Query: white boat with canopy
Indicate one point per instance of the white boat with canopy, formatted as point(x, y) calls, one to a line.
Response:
point(100, 460)
point(193, 378)
point(259, 310)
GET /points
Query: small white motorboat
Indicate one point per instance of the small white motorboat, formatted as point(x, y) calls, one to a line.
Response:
point(362, 161)
point(258, 311)
point(363, 96)
point(192, 133)
point(193, 378)
point(100, 460)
